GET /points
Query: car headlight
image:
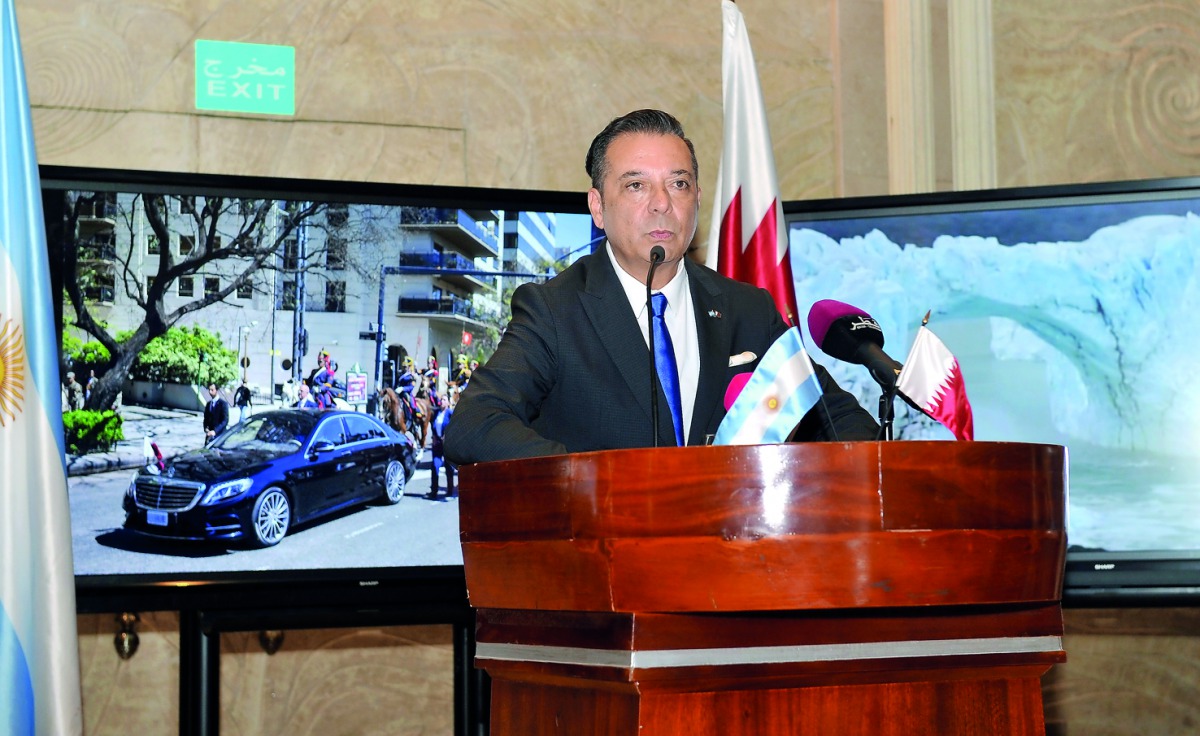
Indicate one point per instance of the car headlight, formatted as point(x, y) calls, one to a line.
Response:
point(226, 490)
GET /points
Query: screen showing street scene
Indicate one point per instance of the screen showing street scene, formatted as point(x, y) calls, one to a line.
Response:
point(1071, 325)
point(261, 384)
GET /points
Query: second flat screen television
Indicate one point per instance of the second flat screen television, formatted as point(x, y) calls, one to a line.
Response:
point(1070, 312)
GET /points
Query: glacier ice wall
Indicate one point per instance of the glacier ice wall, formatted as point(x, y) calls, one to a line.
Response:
point(1065, 342)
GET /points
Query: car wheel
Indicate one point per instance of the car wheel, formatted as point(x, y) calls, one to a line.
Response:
point(271, 517)
point(393, 487)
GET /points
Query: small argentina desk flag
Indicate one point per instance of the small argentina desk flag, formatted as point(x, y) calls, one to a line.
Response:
point(775, 398)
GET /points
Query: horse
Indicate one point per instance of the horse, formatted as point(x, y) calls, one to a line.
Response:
point(424, 410)
point(420, 419)
point(392, 410)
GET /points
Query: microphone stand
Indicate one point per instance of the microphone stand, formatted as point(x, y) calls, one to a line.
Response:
point(657, 254)
point(887, 413)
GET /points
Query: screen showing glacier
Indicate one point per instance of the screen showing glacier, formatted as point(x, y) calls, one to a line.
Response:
point(1071, 323)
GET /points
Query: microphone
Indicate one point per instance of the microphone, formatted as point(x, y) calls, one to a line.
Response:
point(734, 389)
point(848, 333)
point(657, 254)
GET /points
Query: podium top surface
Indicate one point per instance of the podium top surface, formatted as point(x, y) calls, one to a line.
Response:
point(767, 527)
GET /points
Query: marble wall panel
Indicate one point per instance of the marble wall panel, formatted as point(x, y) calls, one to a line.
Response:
point(466, 92)
point(1129, 672)
point(395, 680)
point(135, 696)
point(390, 680)
point(1096, 90)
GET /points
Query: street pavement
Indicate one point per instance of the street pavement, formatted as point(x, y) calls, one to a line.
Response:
point(173, 430)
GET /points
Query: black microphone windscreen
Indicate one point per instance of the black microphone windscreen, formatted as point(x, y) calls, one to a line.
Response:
point(824, 313)
point(841, 329)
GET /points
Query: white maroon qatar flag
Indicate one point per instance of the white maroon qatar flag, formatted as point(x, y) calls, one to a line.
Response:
point(748, 239)
point(932, 380)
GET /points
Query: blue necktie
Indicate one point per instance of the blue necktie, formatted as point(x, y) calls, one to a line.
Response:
point(664, 360)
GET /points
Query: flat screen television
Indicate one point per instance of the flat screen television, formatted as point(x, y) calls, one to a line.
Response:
point(1069, 310)
point(370, 275)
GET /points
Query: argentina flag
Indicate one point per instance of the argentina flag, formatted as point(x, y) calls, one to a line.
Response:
point(775, 398)
point(39, 658)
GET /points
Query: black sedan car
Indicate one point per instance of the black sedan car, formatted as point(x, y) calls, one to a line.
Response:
point(269, 473)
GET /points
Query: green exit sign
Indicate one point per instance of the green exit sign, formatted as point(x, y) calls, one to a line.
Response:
point(245, 77)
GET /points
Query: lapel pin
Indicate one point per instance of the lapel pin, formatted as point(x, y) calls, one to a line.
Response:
point(714, 314)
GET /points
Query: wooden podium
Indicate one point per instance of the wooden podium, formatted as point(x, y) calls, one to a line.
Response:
point(819, 588)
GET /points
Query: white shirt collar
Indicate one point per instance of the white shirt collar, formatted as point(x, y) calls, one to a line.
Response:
point(635, 290)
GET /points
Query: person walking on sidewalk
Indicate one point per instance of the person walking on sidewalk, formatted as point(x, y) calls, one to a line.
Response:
point(243, 400)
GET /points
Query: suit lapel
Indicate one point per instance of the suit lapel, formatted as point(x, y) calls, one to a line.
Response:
point(713, 332)
point(605, 304)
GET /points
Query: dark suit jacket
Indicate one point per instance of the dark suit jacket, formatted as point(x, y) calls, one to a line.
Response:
point(216, 415)
point(572, 371)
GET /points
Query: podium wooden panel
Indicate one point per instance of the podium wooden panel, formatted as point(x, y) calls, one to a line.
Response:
point(872, 588)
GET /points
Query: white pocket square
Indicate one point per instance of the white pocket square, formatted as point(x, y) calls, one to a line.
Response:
point(741, 359)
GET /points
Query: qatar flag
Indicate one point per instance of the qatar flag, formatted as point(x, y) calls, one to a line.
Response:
point(932, 380)
point(748, 240)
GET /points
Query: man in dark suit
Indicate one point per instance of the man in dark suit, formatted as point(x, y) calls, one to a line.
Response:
point(216, 415)
point(437, 430)
point(572, 371)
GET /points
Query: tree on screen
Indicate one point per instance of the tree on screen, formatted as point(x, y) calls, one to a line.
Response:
point(110, 242)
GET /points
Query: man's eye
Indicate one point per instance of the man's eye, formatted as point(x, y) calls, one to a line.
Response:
point(634, 185)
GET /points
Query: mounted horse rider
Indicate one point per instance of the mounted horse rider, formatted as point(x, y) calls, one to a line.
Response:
point(407, 386)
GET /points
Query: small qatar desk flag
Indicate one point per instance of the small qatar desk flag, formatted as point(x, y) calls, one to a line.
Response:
point(39, 656)
point(932, 380)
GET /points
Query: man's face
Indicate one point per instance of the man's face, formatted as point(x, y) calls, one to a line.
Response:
point(212, 391)
point(649, 197)
point(303, 390)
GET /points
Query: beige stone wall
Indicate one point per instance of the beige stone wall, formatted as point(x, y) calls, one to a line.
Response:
point(395, 680)
point(1129, 672)
point(1096, 90)
point(136, 696)
point(508, 95)
point(462, 92)
point(392, 680)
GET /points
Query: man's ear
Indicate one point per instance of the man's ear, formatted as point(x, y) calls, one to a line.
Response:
point(596, 205)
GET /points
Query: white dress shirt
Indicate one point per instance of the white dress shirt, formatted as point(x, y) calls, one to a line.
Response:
point(681, 323)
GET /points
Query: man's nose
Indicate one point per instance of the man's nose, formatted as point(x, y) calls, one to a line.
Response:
point(660, 200)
